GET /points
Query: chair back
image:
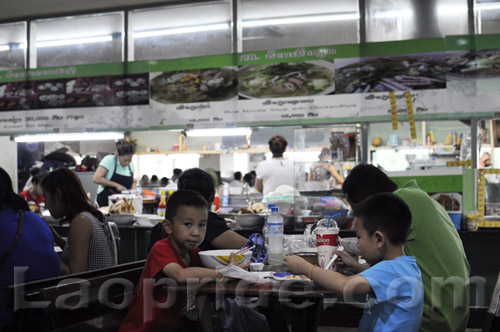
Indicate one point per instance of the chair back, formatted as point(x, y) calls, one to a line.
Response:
point(492, 317)
point(116, 234)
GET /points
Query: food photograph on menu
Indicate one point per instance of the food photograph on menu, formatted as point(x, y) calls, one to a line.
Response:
point(286, 79)
point(16, 96)
point(475, 63)
point(194, 85)
point(391, 73)
point(107, 91)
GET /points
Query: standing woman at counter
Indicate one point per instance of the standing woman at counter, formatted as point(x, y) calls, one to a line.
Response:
point(276, 171)
point(90, 244)
point(115, 172)
point(324, 170)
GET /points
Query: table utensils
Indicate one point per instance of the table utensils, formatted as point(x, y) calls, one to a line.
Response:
point(244, 250)
point(340, 248)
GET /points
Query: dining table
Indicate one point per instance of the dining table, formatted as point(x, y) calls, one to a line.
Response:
point(299, 300)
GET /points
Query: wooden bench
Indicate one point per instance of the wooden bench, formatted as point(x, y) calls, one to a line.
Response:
point(82, 301)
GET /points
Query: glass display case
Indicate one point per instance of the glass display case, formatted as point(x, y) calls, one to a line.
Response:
point(323, 158)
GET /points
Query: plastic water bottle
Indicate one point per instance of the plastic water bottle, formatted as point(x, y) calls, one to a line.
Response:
point(264, 229)
point(225, 195)
point(275, 235)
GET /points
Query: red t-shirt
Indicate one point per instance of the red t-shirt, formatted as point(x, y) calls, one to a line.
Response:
point(28, 198)
point(161, 319)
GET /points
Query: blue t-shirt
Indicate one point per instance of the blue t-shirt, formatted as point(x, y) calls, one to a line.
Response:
point(397, 300)
point(35, 250)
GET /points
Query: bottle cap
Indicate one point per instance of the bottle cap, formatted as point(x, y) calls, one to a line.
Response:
point(275, 209)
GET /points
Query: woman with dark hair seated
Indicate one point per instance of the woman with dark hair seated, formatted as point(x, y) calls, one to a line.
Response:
point(90, 244)
point(218, 235)
point(33, 249)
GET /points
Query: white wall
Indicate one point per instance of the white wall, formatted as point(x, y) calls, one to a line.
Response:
point(8, 159)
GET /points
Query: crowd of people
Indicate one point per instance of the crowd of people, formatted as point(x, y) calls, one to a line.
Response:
point(408, 245)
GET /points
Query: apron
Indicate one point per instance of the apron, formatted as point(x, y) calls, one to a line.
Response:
point(126, 181)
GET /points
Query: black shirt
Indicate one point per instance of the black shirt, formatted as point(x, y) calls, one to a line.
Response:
point(216, 225)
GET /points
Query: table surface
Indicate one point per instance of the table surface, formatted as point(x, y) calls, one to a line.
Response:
point(303, 298)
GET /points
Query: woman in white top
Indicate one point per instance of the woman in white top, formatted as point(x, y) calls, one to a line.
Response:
point(276, 171)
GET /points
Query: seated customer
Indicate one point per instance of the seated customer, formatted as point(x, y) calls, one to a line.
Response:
point(432, 240)
point(175, 257)
point(395, 300)
point(34, 249)
point(90, 244)
point(218, 236)
point(35, 194)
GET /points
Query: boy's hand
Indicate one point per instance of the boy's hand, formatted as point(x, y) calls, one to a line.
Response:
point(233, 262)
point(296, 264)
point(347, 262)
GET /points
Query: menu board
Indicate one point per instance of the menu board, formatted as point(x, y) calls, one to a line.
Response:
point(75, 98)
point(446, 77)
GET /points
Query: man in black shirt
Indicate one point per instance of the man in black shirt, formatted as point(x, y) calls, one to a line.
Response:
point(218, 235)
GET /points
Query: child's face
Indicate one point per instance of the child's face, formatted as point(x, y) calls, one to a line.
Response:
point(37, 189)
point(367, 245)
point(188, 227)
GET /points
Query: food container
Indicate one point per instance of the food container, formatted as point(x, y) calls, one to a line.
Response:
point(218, 259)
point(349, 244)
point(310, 257)
point(249, 220)
point(122, 219)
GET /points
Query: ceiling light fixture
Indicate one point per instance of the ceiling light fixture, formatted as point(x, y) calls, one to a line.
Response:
point(74, 41)
point(63, 137)
point(486, 6)
point(181, 30)
point(214, 132)
point(301, 19)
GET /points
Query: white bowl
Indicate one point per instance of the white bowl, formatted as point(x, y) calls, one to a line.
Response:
point(122, 218)
point(349, 244)
point(218, 259)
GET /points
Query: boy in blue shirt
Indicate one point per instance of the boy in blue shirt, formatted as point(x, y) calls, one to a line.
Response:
point(393, 282)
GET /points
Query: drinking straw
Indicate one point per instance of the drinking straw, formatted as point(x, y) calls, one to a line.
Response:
point(331, 217)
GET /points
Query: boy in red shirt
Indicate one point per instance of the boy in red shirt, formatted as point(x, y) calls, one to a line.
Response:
point(35, 194)
point(175, 257)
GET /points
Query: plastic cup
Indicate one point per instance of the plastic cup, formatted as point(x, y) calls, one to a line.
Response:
point(326, 241)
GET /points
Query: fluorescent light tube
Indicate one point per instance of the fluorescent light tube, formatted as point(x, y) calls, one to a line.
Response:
point(393, 14)
point(452, 9)
point(100, 136)
point(214, 132)
point(301, 19)
point(74, 41)
point(486, 6)
point(4, 48)
point(176, 31)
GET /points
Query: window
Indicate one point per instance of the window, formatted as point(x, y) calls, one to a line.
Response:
point(487, 17)
point(12, 45)
point(78, 40)
point(181, 31)
point(273, 24)
point(406, 19)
